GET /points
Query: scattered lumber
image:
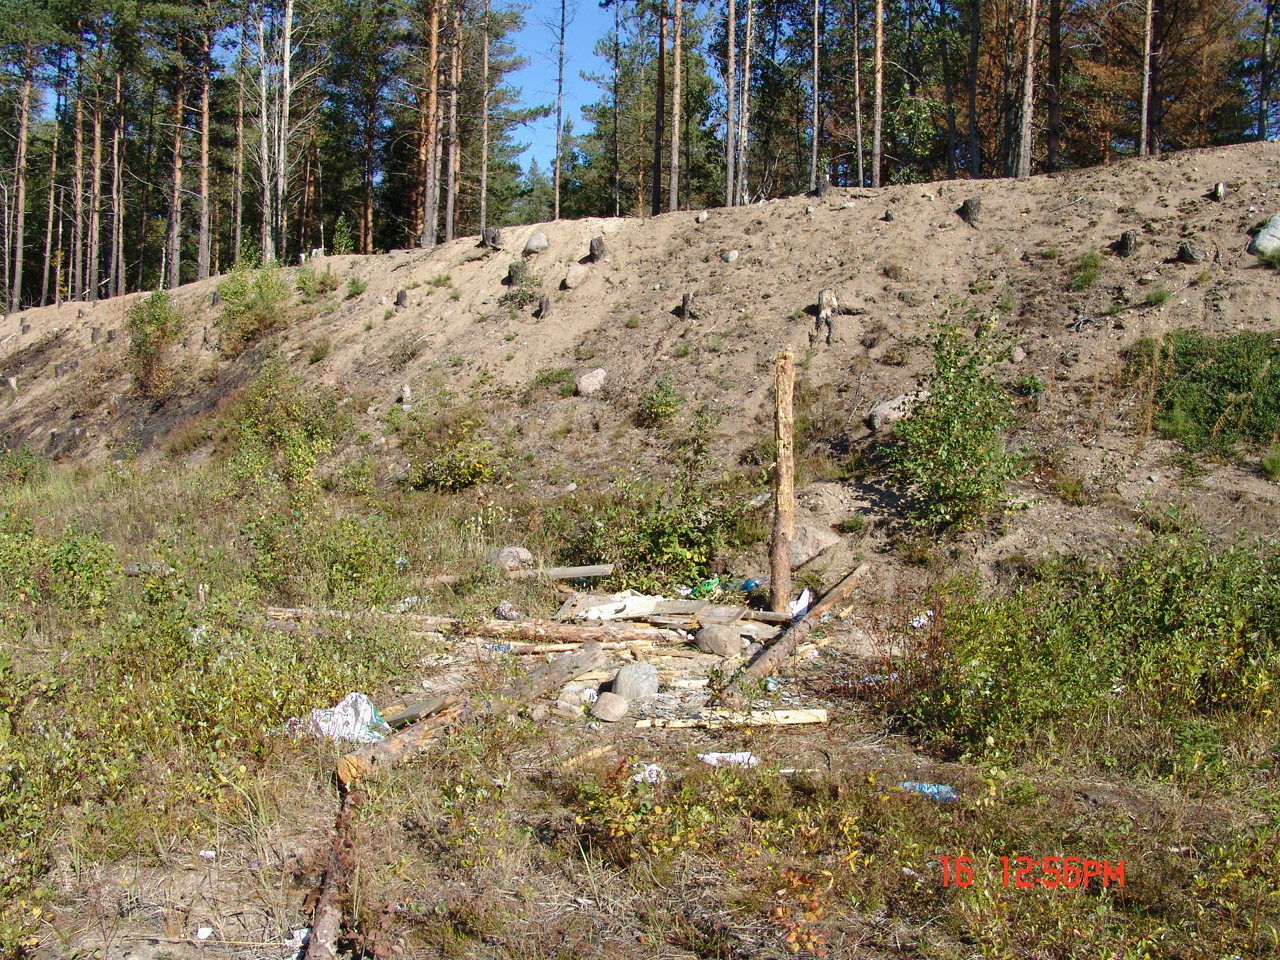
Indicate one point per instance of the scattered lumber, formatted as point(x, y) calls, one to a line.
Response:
point(538, 630)
point(774, 655)
point(418, 711)
point(784, 487)
point(390, 750)
point(714, 719)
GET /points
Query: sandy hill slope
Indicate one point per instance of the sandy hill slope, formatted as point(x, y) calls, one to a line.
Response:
point(899, 259)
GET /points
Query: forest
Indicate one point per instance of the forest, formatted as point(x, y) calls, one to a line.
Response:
point(150, 143)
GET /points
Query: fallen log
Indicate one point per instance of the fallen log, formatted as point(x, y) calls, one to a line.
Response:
point(543, 630)
point(412, 740)
point(418, 711)
point(776, 653)
point(326, 919)
point(714, 719)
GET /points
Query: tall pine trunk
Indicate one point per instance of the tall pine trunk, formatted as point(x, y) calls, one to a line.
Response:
point(237, 160)
point(77, 190)
point(52, 207)
point(1264, 71)
point(204, 241)
point(1026, 122)
point(877, 118)
point(813, 120)
point(94, 269)
point(731, 120)
point(431, 188)
point(116, 280)
point(857, 88)
point(20, 185)
point(484, 125)
point(744, 105)
point(948, 90)
point(677, 110)
point(1145, 107)
point(659, 113)
point(264, 145)
point(283, 117)
point(559, 159)
point(173, 237)
point(1055, 85)
point(975, 141)
point(455, 81)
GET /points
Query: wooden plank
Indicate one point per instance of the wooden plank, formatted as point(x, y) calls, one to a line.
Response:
point(714, 719)
point(772, 658)
point(784, 484)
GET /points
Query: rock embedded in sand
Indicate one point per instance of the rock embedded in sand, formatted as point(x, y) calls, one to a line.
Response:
point(636, 681)
point(610, 708)
point(537, 242)
point(721, 641)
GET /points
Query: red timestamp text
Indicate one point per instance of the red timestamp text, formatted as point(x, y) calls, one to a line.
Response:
point(1037, 871)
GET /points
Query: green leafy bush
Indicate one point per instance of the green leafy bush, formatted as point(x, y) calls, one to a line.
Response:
point(282, 429)
point(949, 453)
point(1211, 394)
point(525, 288)
point(1270, 463)
point(450, 454)
point(343, 242)
point(255, 301)
point(355, 287)
point(313, 285)
point(1087, 271)
point(1176, 635)
point(153, 323)
point(660, 405)
point(559, 380)
point(22, 466)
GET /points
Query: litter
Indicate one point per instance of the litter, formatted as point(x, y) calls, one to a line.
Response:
point(499, 647)
point(744, 758)
point(407, 604)
point(649, 773)
point(204, 933)
point(208, 855)
point(590, 695)
point(920, 620)
point(934, 791)
point(354, 718)
point(801, 604)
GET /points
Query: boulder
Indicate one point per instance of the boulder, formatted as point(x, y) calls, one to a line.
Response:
point(729, 256)
point(722, 641)
point(1191, 254)
point(513, 562)
point(636, 681)
point(701, 217)
point(885, 415)
point(1267, 242)
point(809, 540)
point(576, 275)
point(591, 382)
point(537, 242)
point(610, 708)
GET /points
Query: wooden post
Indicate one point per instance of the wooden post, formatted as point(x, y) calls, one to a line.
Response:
point(784, 484)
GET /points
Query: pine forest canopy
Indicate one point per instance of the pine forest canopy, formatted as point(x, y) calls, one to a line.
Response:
point(149, 143)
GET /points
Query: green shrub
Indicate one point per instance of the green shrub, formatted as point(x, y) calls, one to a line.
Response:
point(312, 286)
point(153, 323)
point(255, 301)
point(660, 405)
point(440, 280)
point(949, 453)
point(1158, 296)
point(526, 287)
point(319, 350)
point(22, 466)
point(1211, 393)
point(450, 454)
point(343, 243)
point(559, 380)
point(1176, 636)
point(1270, 463)
point(355, 287)
point(1087, 271)
point(282, 428)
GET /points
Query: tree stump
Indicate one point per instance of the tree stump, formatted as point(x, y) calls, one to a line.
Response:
point(598, 252)
point(402, 299)
point(95, 334)
point(491, 238)
point(544, 308)
point(687, 308)
point(971, 211)
point(1128, 243)
point(1219, 192)
point(890, 216)
point(824, 185)
point(516, 272)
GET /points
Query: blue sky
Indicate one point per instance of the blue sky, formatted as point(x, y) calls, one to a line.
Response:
point(537, 81)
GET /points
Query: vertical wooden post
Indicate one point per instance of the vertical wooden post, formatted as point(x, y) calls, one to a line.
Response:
point(784, 484)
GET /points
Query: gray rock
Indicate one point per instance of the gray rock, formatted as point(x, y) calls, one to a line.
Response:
point(513, 561)
point(1190, 253)
point(636, 681)
point(406, 394)
point(729, 256)
point(722, 641)
point(701, 217)
point(809, 540)
point(1017, 355)
point(537, 242)
point(576, 275)
point(1267, 241)
point(610, 708)
point(885, 415)
point(591, 382)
